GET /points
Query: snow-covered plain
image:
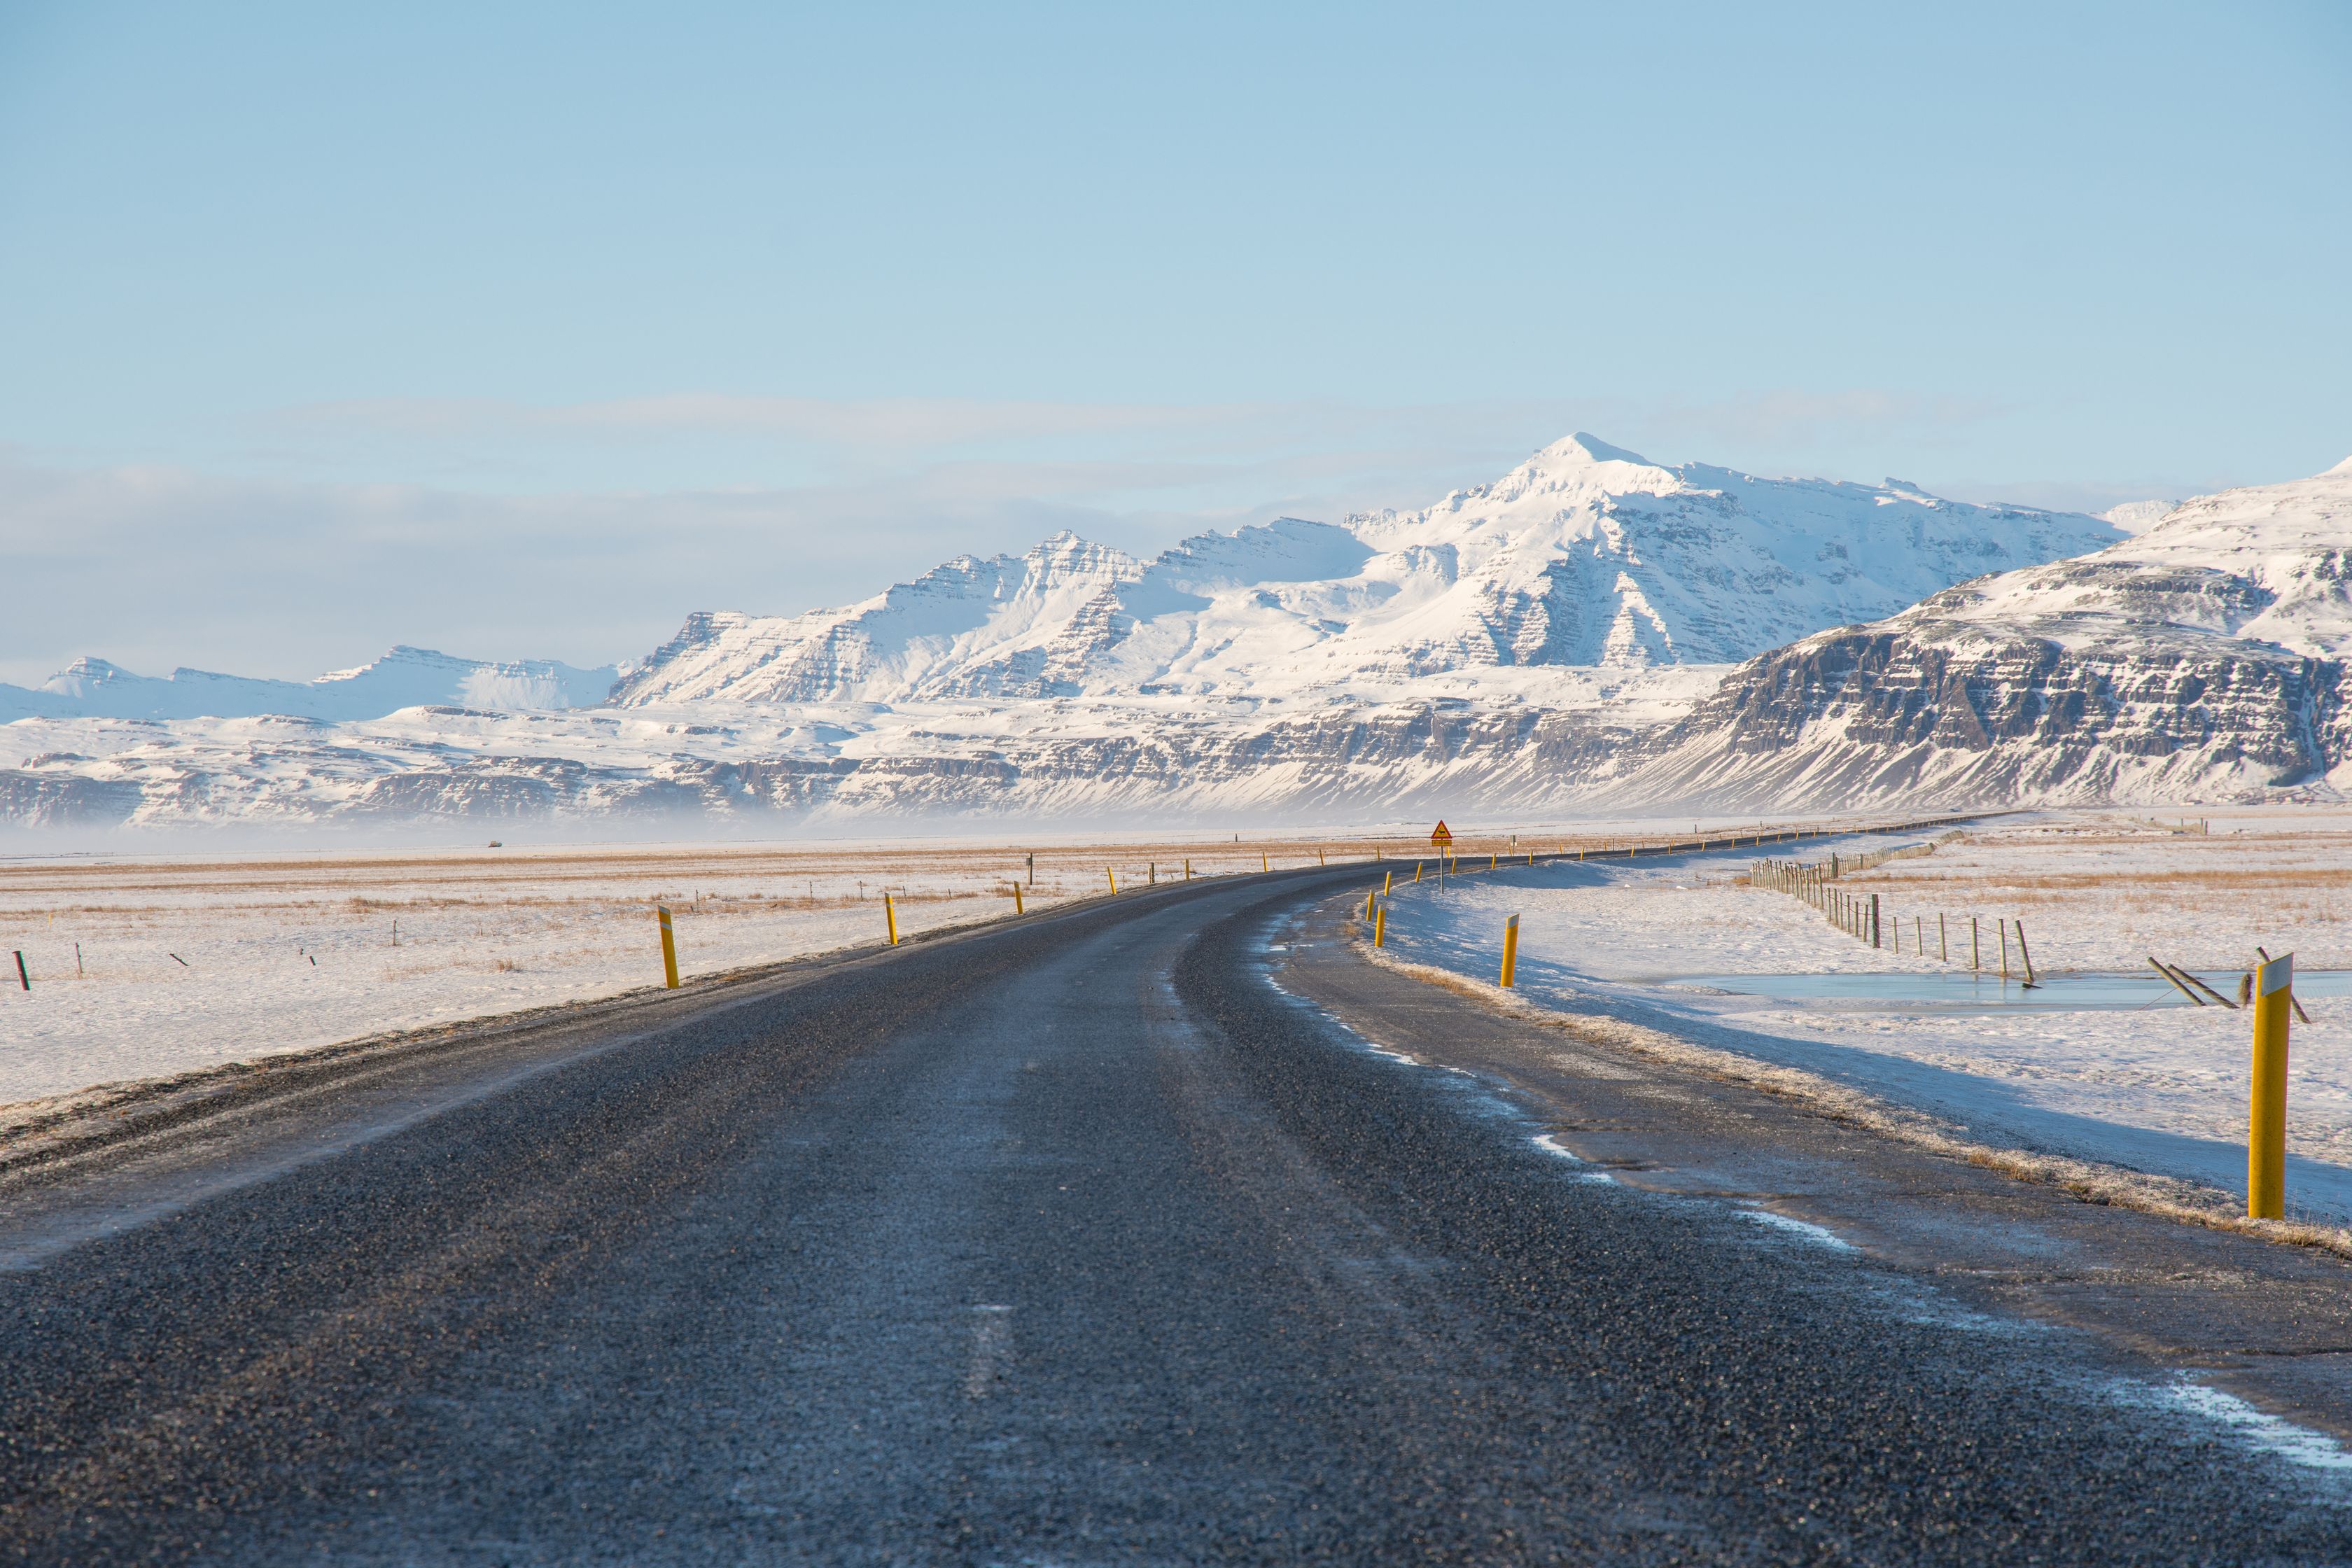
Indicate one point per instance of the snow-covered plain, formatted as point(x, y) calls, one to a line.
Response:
point(285, 952)
point(2161, 1088)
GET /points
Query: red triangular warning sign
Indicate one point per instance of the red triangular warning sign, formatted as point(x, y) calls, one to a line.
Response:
point(1444, 836)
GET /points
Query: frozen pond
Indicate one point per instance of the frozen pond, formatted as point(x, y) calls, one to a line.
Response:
point(1962, 991)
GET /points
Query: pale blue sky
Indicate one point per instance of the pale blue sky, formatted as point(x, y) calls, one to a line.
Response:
point(527, 329)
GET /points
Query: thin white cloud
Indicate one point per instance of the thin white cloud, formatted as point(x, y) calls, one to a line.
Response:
point(794, 441)
point(1792, 421)
point(906, 424)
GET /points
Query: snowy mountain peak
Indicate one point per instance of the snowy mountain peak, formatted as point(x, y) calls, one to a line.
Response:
point(1583, 447)
point(1584, 555)
point(1581, 464)
point(84, 675)
point(1063, 556)
point(2343, 467)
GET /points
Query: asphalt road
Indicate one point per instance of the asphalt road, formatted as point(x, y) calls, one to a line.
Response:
point(1080, 1241)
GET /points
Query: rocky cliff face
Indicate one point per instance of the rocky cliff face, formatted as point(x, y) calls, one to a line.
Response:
point(2205, 659)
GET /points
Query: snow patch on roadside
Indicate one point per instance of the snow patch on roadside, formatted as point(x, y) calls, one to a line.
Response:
point(2166, 1196)
point(2256, 1429)
point(1819, 1234)
point(2159, 1089)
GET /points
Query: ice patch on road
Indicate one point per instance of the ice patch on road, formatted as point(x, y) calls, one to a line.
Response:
point(2257, 1429)
point(1819, 1234)
point(1362, 1041)
point(1550, 1145)
point(1465, 1088)
point(1933, 1311)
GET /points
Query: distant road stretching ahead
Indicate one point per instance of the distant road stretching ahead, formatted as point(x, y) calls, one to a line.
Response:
point(1088, 1238)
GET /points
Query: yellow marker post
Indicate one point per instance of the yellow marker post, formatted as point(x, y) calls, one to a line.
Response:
point(1114, 878)
point(669, 948)
point(1188, 870)
point(1493, 861)
point(890, 914)
point(1388, 882)
point(1016, 898)
point(2266, 1121)
point(1416, 871)
point(1511, 950)
point(1262, 863)
point(1367, 904)
point(1380, 926)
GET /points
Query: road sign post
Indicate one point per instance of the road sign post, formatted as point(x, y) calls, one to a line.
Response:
point(2266, 1118)
point(669, 948)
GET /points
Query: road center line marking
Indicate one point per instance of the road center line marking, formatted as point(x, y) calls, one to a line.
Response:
point(992, 1349)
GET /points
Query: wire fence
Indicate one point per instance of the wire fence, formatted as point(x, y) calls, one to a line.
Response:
point(1868, 917)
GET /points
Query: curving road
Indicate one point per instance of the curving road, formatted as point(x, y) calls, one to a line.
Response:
point(1085, 1239)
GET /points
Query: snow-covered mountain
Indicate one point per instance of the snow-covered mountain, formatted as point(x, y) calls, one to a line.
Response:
point(2205, 657)
point(1542, 643)
point(404, 678)
point(1585, 555)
